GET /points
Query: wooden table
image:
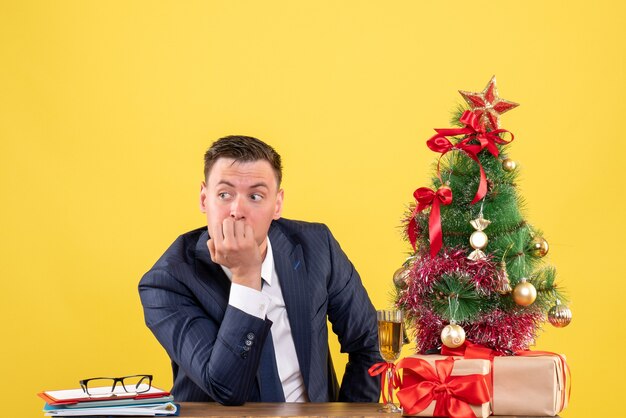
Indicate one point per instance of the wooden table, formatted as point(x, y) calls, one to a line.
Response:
point(331, 409)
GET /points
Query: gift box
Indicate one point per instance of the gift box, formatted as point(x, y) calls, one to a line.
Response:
point(531, 384)
point(435, 385)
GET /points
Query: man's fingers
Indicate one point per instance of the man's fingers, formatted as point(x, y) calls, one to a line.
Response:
point(240, 231)
point(249, 232)
point(211, 246)
point(233, 244)
point(228, 228)
point(217, 232)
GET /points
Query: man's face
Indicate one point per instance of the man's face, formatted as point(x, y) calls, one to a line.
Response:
point(245, 191)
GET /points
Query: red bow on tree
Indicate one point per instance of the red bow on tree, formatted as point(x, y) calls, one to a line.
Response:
point(439, 143)
point(426, 197)
point(452, 394)
point(474, 129)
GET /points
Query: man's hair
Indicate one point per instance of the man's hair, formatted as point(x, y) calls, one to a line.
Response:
point(242, 149)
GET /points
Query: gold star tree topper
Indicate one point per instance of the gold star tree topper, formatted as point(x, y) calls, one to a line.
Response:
point(488, 105)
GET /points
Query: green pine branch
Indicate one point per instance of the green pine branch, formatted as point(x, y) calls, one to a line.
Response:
point(455, 298)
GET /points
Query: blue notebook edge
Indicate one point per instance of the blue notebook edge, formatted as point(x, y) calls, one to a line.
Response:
point(86, 409)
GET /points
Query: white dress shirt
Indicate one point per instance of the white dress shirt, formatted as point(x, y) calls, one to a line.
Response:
point(269, 301)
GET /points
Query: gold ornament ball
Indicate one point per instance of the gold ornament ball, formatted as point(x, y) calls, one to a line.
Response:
point(478, 240)
point(400, 276)
point(524, 293)
point(560, 315)
point(509, 165)
point(540, 247)
point(453, 336)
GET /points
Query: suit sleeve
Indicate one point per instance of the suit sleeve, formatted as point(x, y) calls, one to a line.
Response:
point(220, 354)
point(353, 319)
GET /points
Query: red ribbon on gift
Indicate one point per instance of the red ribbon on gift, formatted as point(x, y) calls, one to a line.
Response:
point(469, 350)
point(381, 369)
point(425, 198)
point(452, 394)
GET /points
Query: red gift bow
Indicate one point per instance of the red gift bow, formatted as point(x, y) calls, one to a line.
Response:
point(381, 369)
point(452, 394)
point(469, 350)
point(426, 197)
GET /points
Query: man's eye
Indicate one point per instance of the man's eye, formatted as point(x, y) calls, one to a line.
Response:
point(223, 195)
point(256, 197)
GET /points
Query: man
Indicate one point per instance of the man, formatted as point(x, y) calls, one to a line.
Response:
point(241, 305)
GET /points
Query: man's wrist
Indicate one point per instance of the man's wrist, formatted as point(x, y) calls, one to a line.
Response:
point(250, 279)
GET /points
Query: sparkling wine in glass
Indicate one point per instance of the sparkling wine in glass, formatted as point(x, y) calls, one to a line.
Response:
point(390, 340)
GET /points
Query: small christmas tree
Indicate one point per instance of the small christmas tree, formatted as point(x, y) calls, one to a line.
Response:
point(477, 269)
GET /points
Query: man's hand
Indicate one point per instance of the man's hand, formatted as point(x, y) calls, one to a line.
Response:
point(232, 245)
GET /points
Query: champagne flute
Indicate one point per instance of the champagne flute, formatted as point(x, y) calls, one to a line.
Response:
point(390, 345)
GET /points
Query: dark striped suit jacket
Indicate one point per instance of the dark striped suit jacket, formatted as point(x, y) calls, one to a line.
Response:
point(185, 301)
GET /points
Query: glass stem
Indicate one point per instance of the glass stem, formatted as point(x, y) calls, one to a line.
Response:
point(390, 385)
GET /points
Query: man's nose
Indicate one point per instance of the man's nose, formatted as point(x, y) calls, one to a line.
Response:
point(237, 209)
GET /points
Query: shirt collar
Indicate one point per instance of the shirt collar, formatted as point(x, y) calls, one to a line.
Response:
point(267, 268)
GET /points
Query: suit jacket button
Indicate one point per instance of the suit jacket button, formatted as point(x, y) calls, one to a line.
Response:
point(246, 347)
point(248, 343)
point(250, 336)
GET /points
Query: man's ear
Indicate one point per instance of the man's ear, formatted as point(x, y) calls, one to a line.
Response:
point(203, 193)
point(279, 204)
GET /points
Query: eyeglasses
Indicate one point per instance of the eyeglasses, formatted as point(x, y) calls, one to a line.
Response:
point(108, 386)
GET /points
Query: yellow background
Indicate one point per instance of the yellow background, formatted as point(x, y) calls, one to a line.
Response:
point(107, 107)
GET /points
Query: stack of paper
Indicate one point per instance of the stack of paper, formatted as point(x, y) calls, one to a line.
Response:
point(75, 402)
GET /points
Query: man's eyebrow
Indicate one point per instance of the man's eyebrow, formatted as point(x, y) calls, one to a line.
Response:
point(252, 186)
point(259, 184)
point(226, 182)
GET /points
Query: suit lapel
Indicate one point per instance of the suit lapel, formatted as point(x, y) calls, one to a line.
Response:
point(211, 274)
point(289, 263)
